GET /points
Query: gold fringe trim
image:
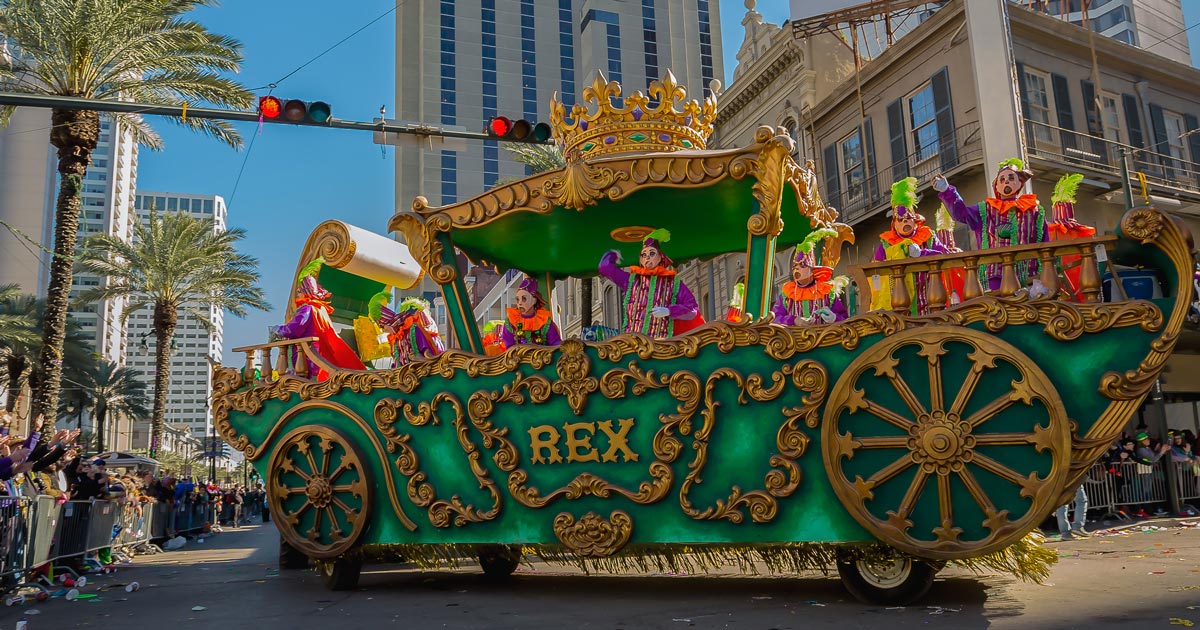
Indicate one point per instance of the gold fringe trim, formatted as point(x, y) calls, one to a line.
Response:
point(1026, 559)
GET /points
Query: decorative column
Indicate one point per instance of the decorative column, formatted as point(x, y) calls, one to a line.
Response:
point(458, 303)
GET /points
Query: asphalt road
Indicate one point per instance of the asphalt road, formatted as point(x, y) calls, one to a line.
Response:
point(1137, 581)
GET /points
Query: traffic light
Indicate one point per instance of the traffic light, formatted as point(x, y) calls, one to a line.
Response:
point(274, 109)
point(504, 128)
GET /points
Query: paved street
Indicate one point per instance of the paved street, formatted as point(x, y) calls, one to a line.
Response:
point(1141, 580)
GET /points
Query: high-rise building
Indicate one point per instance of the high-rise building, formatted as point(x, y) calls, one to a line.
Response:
point(461, 63)
point(191, 383)
point(1153, 24)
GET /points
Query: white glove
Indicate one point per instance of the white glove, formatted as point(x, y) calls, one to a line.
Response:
point(940, 184)
point(660, 311)
point(825, 314)
point(914, 251)
point(382, 339)
point(616, 255)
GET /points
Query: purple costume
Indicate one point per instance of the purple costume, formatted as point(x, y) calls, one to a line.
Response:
point(537, 329)
point(642, 292)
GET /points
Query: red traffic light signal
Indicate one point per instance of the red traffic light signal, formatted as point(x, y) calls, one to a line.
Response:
point(269, 107)
point(504, 128)
point(294, 111)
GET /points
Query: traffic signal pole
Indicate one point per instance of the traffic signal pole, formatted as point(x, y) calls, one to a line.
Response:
point(180, 111)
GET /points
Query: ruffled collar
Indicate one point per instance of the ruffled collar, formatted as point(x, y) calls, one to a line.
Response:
point(662, 272)
point(919, 236)
point(540, 318)
point(308, 300)
point(814, 291)
point(1024, 203)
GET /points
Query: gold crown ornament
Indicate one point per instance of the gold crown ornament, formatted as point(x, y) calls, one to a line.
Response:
point(643, 124)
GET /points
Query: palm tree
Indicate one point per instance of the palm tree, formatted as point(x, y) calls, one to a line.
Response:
point(539, 158)
point(175, 262)
point(138, 50)
point(15, 327)
point(19, 354)
point(109, 389)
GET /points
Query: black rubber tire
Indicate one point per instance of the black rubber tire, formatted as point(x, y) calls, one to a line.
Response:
point(340, 574)
point(909, 581)
point(290, 557)
point(498, 561)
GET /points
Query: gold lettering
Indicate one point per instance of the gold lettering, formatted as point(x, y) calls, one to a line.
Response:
point(575, 442)
point(544, 437)
point(618, 441)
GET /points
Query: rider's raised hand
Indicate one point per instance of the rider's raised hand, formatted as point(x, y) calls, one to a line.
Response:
point(939, 183)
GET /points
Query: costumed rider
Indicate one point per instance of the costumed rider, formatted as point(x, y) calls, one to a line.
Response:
point(813, 296)
point(1007, 218)
point(312, 320)
point(530, 321)
point(1063, 226)
point(411, 331)
point(654, 301)
point(908, 238)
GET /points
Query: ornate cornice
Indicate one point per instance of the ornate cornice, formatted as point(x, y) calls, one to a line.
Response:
point(744, 93)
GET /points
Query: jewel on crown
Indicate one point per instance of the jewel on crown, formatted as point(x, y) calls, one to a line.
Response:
point(638, 123)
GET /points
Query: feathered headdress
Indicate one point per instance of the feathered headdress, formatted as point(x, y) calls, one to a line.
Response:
point(412, 304)
point(806, 257)
point(655, 239)
point(1064, 224)
point(1065, 189)
point(904, 194)
point(945, 228)
point(376, 304)
point(492, 326)
point(307, 280)
point(312, 268)
point(1016, 165)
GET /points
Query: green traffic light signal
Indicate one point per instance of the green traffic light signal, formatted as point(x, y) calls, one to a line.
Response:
point(319, 112)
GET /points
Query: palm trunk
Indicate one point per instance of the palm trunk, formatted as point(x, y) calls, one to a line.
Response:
point(165, 319)
point(585, 302)
point(101, 412)
point(16, 380)
point(75, 135)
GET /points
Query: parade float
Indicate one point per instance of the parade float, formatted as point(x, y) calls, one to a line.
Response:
point(886, 445)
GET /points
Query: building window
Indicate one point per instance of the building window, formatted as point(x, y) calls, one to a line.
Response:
point(650, 39)
point(566, 46)
point(528, 62)
point(922, 117)
point(853, 171)
point(1176, 142)
point(706, 56)
point(612, 35)
point(1041, 104)
point(1112, 116)
point(491, 150)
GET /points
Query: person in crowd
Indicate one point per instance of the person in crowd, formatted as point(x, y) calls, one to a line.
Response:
point(908, 237)
point(530, 322)
point(813, 296)
point(1007, 218)
point(1069, 529)
point(654, 301)
point(312, 320)
point(1146, 455)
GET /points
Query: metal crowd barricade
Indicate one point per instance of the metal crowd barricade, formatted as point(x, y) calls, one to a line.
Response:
point(14, 534)
point(1187, 476)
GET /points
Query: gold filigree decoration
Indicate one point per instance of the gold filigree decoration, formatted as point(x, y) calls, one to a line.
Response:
point(941, 430)
point(594, 536)
point(442, 512)
point(320, 465)
point(574, 380)
point(420, 234)
point(581, 184)
point(831, 252)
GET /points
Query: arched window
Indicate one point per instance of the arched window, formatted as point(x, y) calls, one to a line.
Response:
point(612, 307)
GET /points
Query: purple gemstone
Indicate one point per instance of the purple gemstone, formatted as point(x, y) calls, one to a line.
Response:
point(609, 139)
point(687, 121)
point(637, 113)
point(664, 138)
point(583, 125)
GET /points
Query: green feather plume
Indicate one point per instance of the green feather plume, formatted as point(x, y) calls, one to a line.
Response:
point(1016, 163)
point(943, 220)
point(814, 237)
point(662, 235)
point(377, 302)
point(839, 284)
point(904, 193)
point(312, 268)
point(1064, 190)
point(412, 304)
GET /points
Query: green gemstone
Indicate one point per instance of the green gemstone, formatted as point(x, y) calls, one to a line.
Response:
point(637, 137)
point(687, 144)
point(588, 146)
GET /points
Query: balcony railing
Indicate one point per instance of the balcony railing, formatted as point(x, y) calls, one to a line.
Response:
point(1049, 254)
point(1084, 151)
point(876, 191)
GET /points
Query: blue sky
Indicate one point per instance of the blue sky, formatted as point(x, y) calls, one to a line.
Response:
point(296, 177)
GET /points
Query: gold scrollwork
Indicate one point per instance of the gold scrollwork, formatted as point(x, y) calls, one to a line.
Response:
point(594, 536)
point(574, 380)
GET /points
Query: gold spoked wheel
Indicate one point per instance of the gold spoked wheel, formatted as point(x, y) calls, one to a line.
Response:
point(318, 495)
point(946, 442)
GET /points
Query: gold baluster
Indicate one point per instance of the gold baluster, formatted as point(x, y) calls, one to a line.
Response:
point(1089, 275)
point(281, 363)
point(1049, 273)
point(1009, 284)
point(935, 290)
point(301, 360)
point(971, 287)
point(900, 297)
point(248, 371)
